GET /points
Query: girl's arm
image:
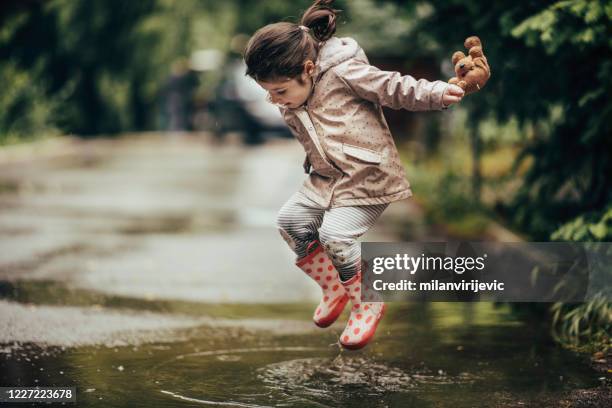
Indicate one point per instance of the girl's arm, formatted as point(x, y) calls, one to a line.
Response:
point(390, 88)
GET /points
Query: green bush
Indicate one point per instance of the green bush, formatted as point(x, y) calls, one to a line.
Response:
point(537, 52)
point(591, 227)
point(25, 111)
point(451, 203)
point(587, 325)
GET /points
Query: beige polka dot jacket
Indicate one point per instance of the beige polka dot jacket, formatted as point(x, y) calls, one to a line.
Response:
point(350, 154)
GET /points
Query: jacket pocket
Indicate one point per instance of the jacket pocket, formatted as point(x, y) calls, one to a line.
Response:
point(361, 153)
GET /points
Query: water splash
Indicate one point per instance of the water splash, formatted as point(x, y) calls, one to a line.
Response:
point(322, 376)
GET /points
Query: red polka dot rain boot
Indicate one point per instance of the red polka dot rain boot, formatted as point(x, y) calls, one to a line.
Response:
point(319, 267)
point(364, 317)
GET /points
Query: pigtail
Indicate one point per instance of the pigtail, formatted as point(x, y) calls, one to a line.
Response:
point(279, 50)
point(320, 18)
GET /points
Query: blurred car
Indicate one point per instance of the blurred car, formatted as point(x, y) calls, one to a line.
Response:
point(240, 105)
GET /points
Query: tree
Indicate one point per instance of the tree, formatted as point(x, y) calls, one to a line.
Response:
point(81, 52)
point(551, 70)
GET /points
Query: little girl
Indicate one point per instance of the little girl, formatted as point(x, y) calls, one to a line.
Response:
point(331, 99)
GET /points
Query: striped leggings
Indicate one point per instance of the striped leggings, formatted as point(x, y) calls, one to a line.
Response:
point(301, 221)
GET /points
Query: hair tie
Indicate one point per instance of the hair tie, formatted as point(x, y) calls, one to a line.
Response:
point(304, 28)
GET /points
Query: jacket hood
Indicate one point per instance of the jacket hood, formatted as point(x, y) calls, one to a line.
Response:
point(335, 51)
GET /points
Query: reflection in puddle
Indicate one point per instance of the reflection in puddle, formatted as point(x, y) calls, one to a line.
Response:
point(228, 358)
point(232, 355)
point(244, 350)
point(213, 403)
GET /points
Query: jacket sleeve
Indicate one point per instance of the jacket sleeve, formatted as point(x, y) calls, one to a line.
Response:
point(390, 88)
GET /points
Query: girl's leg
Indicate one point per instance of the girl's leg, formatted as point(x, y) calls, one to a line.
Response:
point(298, 221)
point(339, 232)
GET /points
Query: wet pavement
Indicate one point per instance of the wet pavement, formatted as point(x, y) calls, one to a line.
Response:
point(147, 271)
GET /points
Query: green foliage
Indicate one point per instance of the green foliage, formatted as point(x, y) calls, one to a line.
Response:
point(254, 15)
point(67, 48)
point(454, 196)
point(100, 65)
point(580, 324)
point(494, 134)
point(450, 203)
point(24, 110)
point(576, 23)
point(567, 178)
point(550, 70)
point(596, 227)
point(588, 324)
point(383, 29)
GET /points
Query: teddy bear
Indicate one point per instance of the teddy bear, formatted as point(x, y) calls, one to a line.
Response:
point(472, 70)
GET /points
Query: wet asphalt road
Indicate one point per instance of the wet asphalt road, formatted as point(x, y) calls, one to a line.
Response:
point(147, 271)
point(151, 217)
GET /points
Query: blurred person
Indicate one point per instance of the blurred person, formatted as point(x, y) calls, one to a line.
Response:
point(178, 96)
point(331, 98)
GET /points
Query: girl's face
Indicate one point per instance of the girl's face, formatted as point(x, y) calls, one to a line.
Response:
point(290, 93)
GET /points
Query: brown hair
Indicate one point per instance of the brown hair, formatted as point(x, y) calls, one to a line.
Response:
point(280, 50)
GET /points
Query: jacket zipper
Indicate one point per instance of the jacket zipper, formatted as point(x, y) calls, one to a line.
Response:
point(304, 117)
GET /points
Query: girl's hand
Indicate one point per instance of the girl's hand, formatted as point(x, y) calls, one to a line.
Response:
point(453, 94)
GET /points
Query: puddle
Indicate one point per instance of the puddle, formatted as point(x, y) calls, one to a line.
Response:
point(182, 353)
point(423, 356)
